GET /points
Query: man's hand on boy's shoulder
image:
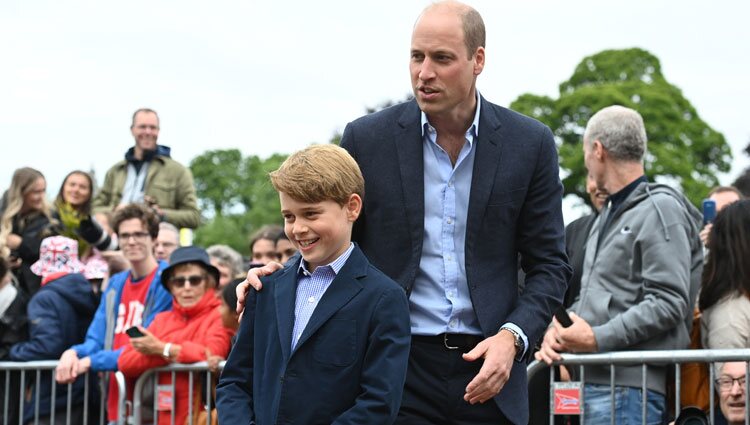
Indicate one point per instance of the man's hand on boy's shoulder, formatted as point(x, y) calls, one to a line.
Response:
point(253, 280)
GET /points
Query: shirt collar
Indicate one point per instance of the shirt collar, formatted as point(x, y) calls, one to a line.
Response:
point(474, 127)
point(616, 199)
point(335, 265)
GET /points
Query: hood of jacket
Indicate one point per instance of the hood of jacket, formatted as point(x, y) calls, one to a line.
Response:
point(148, 155)
point(647, 191)
point(76, 290)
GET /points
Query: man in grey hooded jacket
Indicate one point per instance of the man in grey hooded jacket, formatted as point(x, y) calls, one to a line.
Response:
point(641, 271)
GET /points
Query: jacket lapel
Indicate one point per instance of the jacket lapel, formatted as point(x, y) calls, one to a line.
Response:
point(285, 292)
point(344, 287)
point(408, 141)
point(486, 161)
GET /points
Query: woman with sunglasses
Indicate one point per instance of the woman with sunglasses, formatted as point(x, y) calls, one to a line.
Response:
point(192, 332)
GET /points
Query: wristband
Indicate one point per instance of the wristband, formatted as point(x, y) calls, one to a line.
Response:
point(165, 353)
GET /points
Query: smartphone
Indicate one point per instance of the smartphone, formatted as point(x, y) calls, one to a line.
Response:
point(134, 332)
point(562, 316)
point(709, 211)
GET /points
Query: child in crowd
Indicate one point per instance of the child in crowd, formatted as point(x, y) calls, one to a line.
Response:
point(327, 339)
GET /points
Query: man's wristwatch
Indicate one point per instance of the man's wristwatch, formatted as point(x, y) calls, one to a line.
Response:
point(517, 342)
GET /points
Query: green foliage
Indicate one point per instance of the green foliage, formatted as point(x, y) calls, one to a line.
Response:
point(217, 175)
point(236, 194)
point(682, 148)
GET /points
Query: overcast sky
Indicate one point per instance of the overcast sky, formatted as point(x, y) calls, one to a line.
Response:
point(270, 77)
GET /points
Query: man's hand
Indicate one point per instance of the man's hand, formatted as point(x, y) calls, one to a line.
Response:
point(147, 344)
point(253, 279)
point(705, 232)
point(578, 337)
point(551, 345)
point(67, 367)
point(498, 352)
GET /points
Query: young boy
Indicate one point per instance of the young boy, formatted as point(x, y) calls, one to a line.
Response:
point(327, 340)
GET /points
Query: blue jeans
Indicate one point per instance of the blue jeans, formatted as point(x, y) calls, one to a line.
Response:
point(597, 405)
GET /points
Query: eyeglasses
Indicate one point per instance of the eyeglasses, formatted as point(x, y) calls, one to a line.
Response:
point(726, 383)
point(139, 236)
point(193, 280)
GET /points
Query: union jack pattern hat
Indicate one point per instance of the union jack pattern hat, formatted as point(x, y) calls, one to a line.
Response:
point(58, 254)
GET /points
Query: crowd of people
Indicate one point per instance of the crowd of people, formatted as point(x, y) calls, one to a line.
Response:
point(420, 267)
point(82, 273)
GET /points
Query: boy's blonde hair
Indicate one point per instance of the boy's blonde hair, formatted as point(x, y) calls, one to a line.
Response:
point(319, 173)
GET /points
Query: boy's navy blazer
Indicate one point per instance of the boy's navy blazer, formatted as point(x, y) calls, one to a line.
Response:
point(349, 365)
point(514, 210)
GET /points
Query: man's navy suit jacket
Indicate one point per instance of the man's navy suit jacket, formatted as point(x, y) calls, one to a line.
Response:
point(349, 365)
point(514, 208)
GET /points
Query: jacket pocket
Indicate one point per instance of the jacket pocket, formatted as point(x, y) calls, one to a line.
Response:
point(335, 343)
point(163, 195)
point(597, 308)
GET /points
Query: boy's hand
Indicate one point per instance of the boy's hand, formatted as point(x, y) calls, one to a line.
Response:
point(253, 279)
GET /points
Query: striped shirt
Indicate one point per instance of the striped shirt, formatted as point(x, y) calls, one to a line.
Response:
point(310, 289)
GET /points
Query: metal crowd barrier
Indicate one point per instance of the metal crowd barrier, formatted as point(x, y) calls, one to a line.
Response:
point(645, 358)
point(33, 370)
point(150, 378)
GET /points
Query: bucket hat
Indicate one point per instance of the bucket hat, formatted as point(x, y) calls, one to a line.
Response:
point(185, 255)
point(58, 254)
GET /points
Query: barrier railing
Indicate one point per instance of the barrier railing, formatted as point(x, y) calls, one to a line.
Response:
point(145, 380)
point(645, 358)
point(15, 377)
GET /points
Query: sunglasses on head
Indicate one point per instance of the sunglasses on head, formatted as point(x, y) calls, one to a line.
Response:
point(193, 280)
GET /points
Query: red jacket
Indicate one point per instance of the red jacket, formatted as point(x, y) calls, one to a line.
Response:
point(198, 329)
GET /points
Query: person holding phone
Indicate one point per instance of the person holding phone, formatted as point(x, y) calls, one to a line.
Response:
point(191, 332)
point(132, 297)
point(718, 198)
point(640, 275)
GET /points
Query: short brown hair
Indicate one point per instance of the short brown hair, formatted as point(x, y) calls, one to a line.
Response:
point(141, 212)
point(145, 110)
point(319, 173)
point(474, 32)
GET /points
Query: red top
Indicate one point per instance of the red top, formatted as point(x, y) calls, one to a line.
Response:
point(200, 333)
point(129, 313)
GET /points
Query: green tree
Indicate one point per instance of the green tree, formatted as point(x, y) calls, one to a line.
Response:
point(235, 195)
point(217, 175)
point(682, 148)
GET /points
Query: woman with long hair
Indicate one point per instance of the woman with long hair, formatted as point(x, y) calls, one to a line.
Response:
point(23, 225)
point(72, 211)
point(725, 291)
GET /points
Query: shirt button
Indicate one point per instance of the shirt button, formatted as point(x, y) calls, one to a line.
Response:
point(452, 323)
point(448, 258)
point(449, 221)
point(311, 300)
point(450, 183)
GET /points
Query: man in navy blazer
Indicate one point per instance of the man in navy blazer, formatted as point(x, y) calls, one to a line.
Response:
point(457, 188)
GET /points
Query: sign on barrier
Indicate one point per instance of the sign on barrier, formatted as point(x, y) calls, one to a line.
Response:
point(567, 398)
